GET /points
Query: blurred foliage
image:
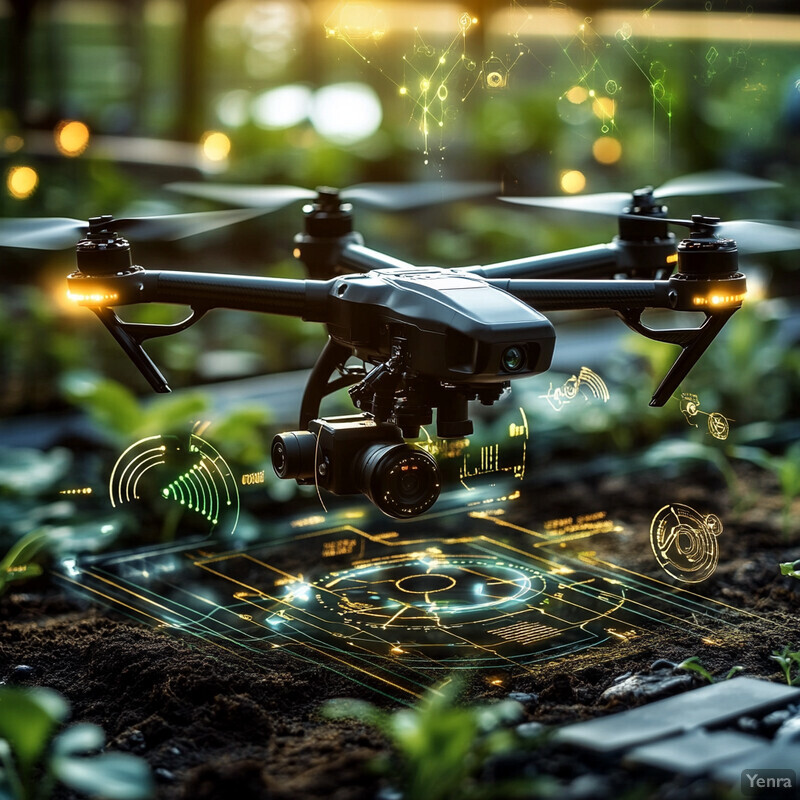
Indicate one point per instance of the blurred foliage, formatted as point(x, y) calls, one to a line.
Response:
point(33, 757)
point(441, 746)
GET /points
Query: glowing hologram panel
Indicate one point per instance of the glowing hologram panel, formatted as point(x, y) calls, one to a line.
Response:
point(395, 609)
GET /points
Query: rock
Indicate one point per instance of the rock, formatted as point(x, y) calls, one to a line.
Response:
point(643, 687)
point(164, 775)
point(528, 699)
point(790, 730)
point(530, 730)
point(748, 724)
point(589, 787)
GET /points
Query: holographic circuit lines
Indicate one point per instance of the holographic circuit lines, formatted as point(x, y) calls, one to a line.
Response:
point(396, 609)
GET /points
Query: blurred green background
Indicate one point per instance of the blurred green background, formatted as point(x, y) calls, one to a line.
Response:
point(103, 103)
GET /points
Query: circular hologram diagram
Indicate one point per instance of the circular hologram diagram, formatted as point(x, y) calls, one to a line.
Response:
point(685, 542)
point(446, 611)
point(163, 471)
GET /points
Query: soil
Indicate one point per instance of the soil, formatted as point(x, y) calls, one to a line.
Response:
point(214, 726)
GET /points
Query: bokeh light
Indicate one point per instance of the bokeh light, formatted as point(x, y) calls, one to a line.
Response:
point(607, 150)
point(573, 181)
point(21, 182)
point(577, 94)
point(346, 113)
point(283, 107)
point(71, 137)
point(216, 145)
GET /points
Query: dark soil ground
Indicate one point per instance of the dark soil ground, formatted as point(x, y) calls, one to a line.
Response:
point(214, 726)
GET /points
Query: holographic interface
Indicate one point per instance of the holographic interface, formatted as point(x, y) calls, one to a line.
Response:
point(685, 543)
point(718, 425)
point(586, 383)
point(396, 608)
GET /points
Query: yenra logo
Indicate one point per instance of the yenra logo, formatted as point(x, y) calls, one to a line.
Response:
point(757, 782)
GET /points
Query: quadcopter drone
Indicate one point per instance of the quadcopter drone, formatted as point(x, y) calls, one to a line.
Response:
point(427, 338)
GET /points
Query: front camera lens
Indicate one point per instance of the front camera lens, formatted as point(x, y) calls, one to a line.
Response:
point(513, 359)
point(403, 481)
point(293, 454)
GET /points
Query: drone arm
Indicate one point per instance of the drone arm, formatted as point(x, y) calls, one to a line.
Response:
point(601, 259)
point(306, 299)
point(363, 259)
point(555, 295)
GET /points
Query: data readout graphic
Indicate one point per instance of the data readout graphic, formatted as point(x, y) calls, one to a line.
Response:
point(397, 608)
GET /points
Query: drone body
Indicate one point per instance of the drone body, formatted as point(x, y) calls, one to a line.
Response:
point(428, 339)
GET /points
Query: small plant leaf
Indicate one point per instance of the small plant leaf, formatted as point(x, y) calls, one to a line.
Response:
point(115, 776)
point(78, 739)
point(27, 718)
point(791, 568)
point(694, 665)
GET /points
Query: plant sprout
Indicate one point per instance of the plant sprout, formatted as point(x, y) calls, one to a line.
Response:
point(789, 661)
point(32, 760)
point(694, 664)
point(440, 746)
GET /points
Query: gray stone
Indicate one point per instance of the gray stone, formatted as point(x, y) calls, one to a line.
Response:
point(641, 687)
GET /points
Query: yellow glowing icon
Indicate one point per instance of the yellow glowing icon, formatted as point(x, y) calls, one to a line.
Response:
point(71, 137)
point(685, 543)
point(718, 425)
point(586, 383)
point(21, 182)
point(719, 299)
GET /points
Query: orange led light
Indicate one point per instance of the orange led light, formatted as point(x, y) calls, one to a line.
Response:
point(719, 299)
point(94, 299)
point(672, 258)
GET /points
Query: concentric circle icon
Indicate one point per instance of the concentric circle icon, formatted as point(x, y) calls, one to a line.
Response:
point(190, 473)
point(685, 543)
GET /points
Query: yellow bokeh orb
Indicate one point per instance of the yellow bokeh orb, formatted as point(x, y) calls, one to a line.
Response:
point(21, 182)
point(577, 94)
point(216, 145)
point(573, 181)
point(607, 150)
point(71, 137)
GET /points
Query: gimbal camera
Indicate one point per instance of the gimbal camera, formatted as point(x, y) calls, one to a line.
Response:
point(428, 338)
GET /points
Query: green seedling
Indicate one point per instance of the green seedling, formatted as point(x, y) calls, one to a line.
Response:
point(33, 760)
point(791, 568)
point(789, 661)
point(440, 746)
point(18, 563)
point(694, 664)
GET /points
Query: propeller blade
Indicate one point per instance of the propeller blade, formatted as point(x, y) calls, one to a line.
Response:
point(405, 196)
point(266, 198)
point(42, 233)
point(171, 227)
point(760, 237)
point(712, 182)
point(609, 203)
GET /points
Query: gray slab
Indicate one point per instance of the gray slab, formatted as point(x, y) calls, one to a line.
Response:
point(706, 706)
point(771, 755)
point(695, 753)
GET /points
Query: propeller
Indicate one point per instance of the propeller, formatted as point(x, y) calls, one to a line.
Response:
point(614, 203)
point(751, 236)
point(383, 196)
point(58, 233)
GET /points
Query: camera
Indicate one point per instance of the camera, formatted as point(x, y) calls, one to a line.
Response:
point(357, 455)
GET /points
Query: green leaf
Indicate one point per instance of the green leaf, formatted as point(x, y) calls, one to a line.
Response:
point(694, 665)
point(27, 719)
point(115, 776)
point(112, 407)
point(81, 738)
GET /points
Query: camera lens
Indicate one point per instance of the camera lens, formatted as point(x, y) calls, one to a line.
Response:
point(513, 359)
point(402, 481)
point(293, 454)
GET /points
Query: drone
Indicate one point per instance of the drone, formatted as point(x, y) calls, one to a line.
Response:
point(425, 338)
